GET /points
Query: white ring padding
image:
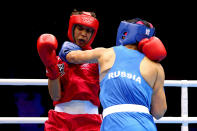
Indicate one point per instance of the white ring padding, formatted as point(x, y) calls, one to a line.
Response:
point(171, 83)
point(41, 120)
point(177, 120)
point(24, 82)
point(23, 120)
point(180, 83)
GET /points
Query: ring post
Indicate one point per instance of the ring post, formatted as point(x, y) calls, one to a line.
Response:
point(184, 104)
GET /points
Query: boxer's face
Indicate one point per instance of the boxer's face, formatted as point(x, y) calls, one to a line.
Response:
point(82, 35)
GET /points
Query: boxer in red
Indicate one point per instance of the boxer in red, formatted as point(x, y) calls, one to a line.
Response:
point(73, 88)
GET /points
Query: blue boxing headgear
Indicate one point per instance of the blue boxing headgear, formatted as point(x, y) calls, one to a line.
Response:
point(131, 33)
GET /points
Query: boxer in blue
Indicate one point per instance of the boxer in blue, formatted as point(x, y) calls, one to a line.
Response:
point(131, 81)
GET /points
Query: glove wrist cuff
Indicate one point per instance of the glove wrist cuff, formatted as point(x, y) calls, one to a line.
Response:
point(52, 72)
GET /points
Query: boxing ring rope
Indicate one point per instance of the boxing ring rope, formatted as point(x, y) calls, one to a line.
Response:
point(184, 119)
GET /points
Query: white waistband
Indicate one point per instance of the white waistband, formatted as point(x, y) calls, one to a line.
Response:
point(125, 108)
point(77, 107)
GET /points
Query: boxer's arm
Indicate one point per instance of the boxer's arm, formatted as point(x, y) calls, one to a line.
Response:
point(54, 88)
point(87, 56)
point(159, 105)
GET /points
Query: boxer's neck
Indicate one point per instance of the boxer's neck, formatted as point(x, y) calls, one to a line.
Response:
point(133, 47)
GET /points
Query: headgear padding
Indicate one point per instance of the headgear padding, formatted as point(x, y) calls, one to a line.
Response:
point(84, 19)
point(131, 33)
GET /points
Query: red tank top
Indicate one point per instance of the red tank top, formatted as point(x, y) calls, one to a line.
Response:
point(79, 82)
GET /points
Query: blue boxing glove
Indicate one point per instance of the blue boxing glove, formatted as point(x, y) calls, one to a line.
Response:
point(66, 48)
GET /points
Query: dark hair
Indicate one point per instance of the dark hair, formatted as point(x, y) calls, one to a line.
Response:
point(135, 20)
point(76, 12)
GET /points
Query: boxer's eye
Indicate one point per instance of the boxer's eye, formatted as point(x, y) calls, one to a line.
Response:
point(89, 30)
point(79, 27)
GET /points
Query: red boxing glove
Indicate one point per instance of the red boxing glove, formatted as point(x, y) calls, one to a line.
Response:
point(46, 46)
point(153, 48)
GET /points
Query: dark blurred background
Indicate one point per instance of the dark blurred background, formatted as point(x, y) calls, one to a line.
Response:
point(23, 23)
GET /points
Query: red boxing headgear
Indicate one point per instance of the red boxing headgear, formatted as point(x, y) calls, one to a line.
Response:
point(84, 19)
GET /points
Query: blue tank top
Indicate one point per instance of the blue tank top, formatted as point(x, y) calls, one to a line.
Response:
point(124, 84)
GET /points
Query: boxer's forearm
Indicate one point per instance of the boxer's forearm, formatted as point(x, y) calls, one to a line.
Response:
point(54, 88)
point(79, 57)
point(87, 56)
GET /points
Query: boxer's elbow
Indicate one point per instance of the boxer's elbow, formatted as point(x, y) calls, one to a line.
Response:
point(159, 113)
point(55, 98)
